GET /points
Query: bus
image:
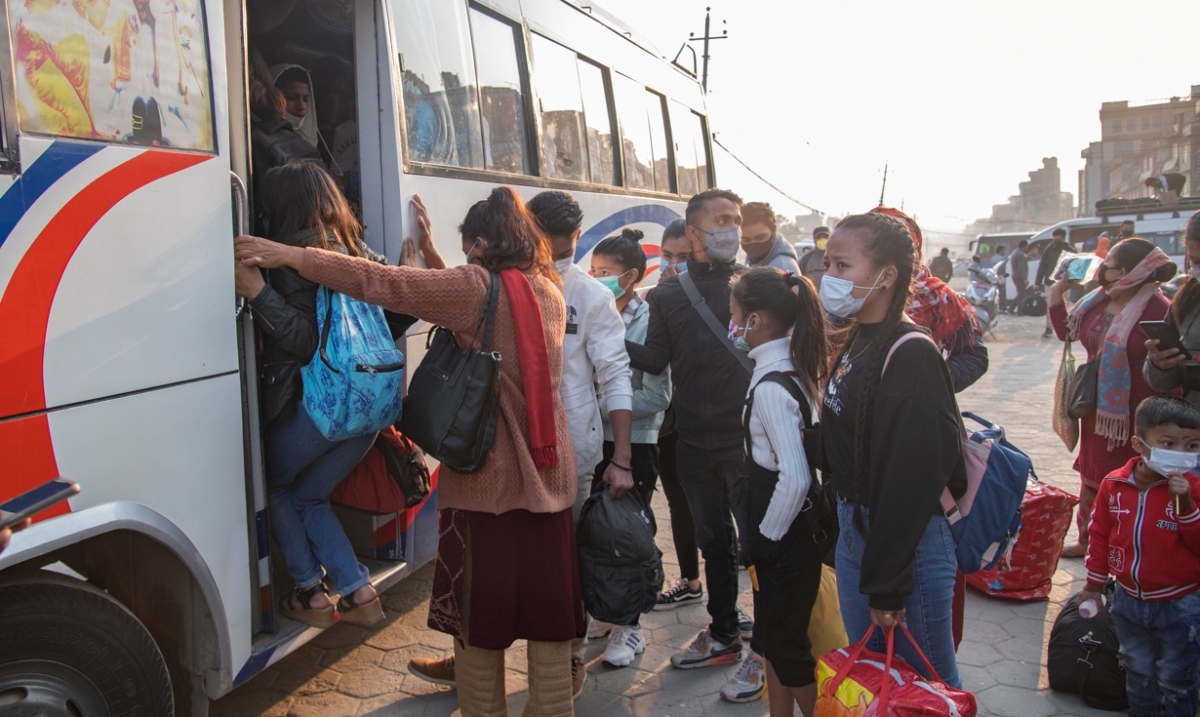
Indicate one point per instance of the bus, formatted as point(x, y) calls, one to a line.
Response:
point(128, 364)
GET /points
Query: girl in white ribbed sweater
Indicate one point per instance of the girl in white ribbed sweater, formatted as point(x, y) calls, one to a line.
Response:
point(768, 307)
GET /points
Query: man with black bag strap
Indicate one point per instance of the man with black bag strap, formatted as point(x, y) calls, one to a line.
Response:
point(689, 320)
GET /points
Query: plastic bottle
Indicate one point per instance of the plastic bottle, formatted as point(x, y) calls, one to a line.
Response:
point(1089, 608)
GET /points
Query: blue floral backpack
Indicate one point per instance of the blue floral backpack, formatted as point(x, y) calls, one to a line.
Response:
point(352, 383)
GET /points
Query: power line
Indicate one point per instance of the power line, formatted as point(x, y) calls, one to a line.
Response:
point(766, 181)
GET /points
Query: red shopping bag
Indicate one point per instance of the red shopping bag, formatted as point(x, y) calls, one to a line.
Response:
point(1026, 573)
point(860, 683)
point(371, 485)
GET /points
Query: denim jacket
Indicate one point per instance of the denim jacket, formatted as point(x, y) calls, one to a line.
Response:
point(651, 394)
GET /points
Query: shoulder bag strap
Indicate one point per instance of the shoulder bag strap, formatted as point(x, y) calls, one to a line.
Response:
point(325, 330)
point(489, 310)
point(722, 333)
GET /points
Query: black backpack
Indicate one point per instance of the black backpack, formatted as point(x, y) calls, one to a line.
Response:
point(620, 566)
point(1084, 656)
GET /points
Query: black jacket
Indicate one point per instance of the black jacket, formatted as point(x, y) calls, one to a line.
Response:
point(915, 452)
point(1049, 262)
point(285, 312)
point(710, 384)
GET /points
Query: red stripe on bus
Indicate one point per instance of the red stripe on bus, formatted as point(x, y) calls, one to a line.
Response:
point(25, 306)
point(28, 459)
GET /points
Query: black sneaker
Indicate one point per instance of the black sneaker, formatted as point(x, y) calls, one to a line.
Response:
point(681, 594)
point(745, 624)
point(1048, 334)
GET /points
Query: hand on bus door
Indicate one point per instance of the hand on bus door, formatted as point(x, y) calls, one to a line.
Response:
point(429, 252)
point(255, 251)
point(247, 280)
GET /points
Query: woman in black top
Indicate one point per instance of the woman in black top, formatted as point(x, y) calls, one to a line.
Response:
point(893, 446)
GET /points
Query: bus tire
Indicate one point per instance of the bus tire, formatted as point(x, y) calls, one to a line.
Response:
point(70, 650)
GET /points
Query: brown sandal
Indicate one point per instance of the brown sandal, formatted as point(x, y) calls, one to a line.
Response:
point(297, 605)
point(365, 615)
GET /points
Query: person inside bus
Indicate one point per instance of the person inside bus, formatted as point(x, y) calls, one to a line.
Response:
point(304, 209)
point(506, 566)
point(273, 140)
point(337, 112)
point(296, 85)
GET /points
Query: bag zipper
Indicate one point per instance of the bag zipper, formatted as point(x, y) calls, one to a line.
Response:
point(383, 368)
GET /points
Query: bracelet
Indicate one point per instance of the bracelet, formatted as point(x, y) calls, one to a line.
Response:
point(618, 465)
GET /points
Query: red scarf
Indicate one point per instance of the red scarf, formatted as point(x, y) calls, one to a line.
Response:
point(933, 305)
point(535, 367)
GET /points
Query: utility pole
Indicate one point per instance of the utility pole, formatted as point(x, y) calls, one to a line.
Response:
point(884, 188)
point(707, 37)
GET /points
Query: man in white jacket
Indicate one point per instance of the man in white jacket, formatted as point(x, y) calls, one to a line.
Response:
point(593, 351)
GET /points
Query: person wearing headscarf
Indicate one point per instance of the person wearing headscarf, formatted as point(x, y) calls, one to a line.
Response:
point(296, 85)
point(1106, 321)
point(949, 317)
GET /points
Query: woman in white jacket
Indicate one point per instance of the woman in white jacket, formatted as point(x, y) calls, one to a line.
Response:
point(778, 318)
point(619, 262)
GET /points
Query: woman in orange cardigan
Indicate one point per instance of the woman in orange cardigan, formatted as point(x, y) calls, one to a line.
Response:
point(506, 567)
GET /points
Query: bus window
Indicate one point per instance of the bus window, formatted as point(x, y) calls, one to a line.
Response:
point(601, 167)
point(691, 153)
point(655, 111)
point(86, 70)
point(564, 152)
point(501, 94)
point(441, 102)
point(643, 134)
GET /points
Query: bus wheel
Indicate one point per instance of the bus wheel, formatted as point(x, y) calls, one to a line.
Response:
point(68, 650)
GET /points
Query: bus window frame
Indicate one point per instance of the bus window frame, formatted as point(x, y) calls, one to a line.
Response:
point(10, 158)
point(521, 46)
point(527, 64)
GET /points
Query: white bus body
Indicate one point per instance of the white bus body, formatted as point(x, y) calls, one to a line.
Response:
point(125, 153)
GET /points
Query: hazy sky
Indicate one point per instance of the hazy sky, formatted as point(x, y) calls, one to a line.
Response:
point(962, 98)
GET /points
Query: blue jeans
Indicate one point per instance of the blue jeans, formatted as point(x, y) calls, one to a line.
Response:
point(1160, 642)
point(303, 468)
point(927, 611)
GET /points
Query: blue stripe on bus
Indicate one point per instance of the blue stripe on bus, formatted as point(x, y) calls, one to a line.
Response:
point(642, 213)
point(58, 159)
point(256, 664)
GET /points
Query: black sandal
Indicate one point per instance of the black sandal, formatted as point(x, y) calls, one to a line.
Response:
point(297, 605)
point(366, 614)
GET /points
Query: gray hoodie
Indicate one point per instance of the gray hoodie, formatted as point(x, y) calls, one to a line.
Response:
point(781, 256)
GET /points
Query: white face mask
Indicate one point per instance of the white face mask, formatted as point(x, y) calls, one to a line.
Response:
point(478, 241)
point(837, 299)
point(722, 243)
point(1166, 462)
point(563, 264)
point(1194, 272)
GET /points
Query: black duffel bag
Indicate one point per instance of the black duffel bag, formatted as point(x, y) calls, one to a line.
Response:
point(1084, 656)
point(1034, 304)
point(620, 566)
point(453, 399)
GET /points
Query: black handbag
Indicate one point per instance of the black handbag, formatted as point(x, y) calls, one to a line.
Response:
point(1084, 390)
point(453, 399)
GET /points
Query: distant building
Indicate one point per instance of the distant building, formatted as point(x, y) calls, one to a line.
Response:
point(1139, 142)
point(1039, 203)
point(808, 222)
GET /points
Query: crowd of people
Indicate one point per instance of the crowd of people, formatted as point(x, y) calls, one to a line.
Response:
point(707, 381)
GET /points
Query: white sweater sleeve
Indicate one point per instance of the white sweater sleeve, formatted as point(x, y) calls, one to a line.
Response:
point(776, 415)
point(606, 349)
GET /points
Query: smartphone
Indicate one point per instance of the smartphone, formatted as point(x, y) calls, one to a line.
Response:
point(1167, 335)
point(35, 500)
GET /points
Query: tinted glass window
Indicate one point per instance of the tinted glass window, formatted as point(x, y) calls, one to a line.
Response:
point(601, 168)
point(441, 102)
point(636, 144)
point(84, 69)
point(564, 148)
point(691, 153)
point(501, 94)
point(658, 141)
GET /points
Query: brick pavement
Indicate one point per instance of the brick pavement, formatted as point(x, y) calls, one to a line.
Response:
point(350, 672)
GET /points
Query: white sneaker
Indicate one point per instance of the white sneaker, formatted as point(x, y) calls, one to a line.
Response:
point(747, 684)
point(623, 644)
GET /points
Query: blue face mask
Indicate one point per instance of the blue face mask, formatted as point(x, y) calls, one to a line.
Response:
point(672, 269)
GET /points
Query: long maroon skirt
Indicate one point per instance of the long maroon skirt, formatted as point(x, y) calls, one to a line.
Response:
point(502, 578)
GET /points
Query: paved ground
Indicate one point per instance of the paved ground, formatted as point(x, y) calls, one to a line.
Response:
point(351, 672)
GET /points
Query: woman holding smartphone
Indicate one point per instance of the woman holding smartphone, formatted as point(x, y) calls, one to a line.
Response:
point(1166, 369)
point(1106, 321)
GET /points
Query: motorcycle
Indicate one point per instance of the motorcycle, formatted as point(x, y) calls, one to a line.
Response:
point(983, 293)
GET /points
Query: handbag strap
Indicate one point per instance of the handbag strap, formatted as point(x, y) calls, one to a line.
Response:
point(851, 657)
point(722, 334)
point(488, 314)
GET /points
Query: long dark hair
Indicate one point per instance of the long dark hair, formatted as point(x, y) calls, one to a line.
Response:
point(512, 235)
point(1188, 296)
point(790, 300)
point(888, 243)
point(626, 249)
point(301, 195)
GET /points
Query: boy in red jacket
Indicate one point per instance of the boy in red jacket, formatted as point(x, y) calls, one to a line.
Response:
point(1145, 532)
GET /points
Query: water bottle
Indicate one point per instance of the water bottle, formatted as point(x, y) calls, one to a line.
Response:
point(1089, 608)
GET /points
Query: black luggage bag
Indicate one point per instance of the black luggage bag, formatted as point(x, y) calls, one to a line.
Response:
point(1084, 656)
